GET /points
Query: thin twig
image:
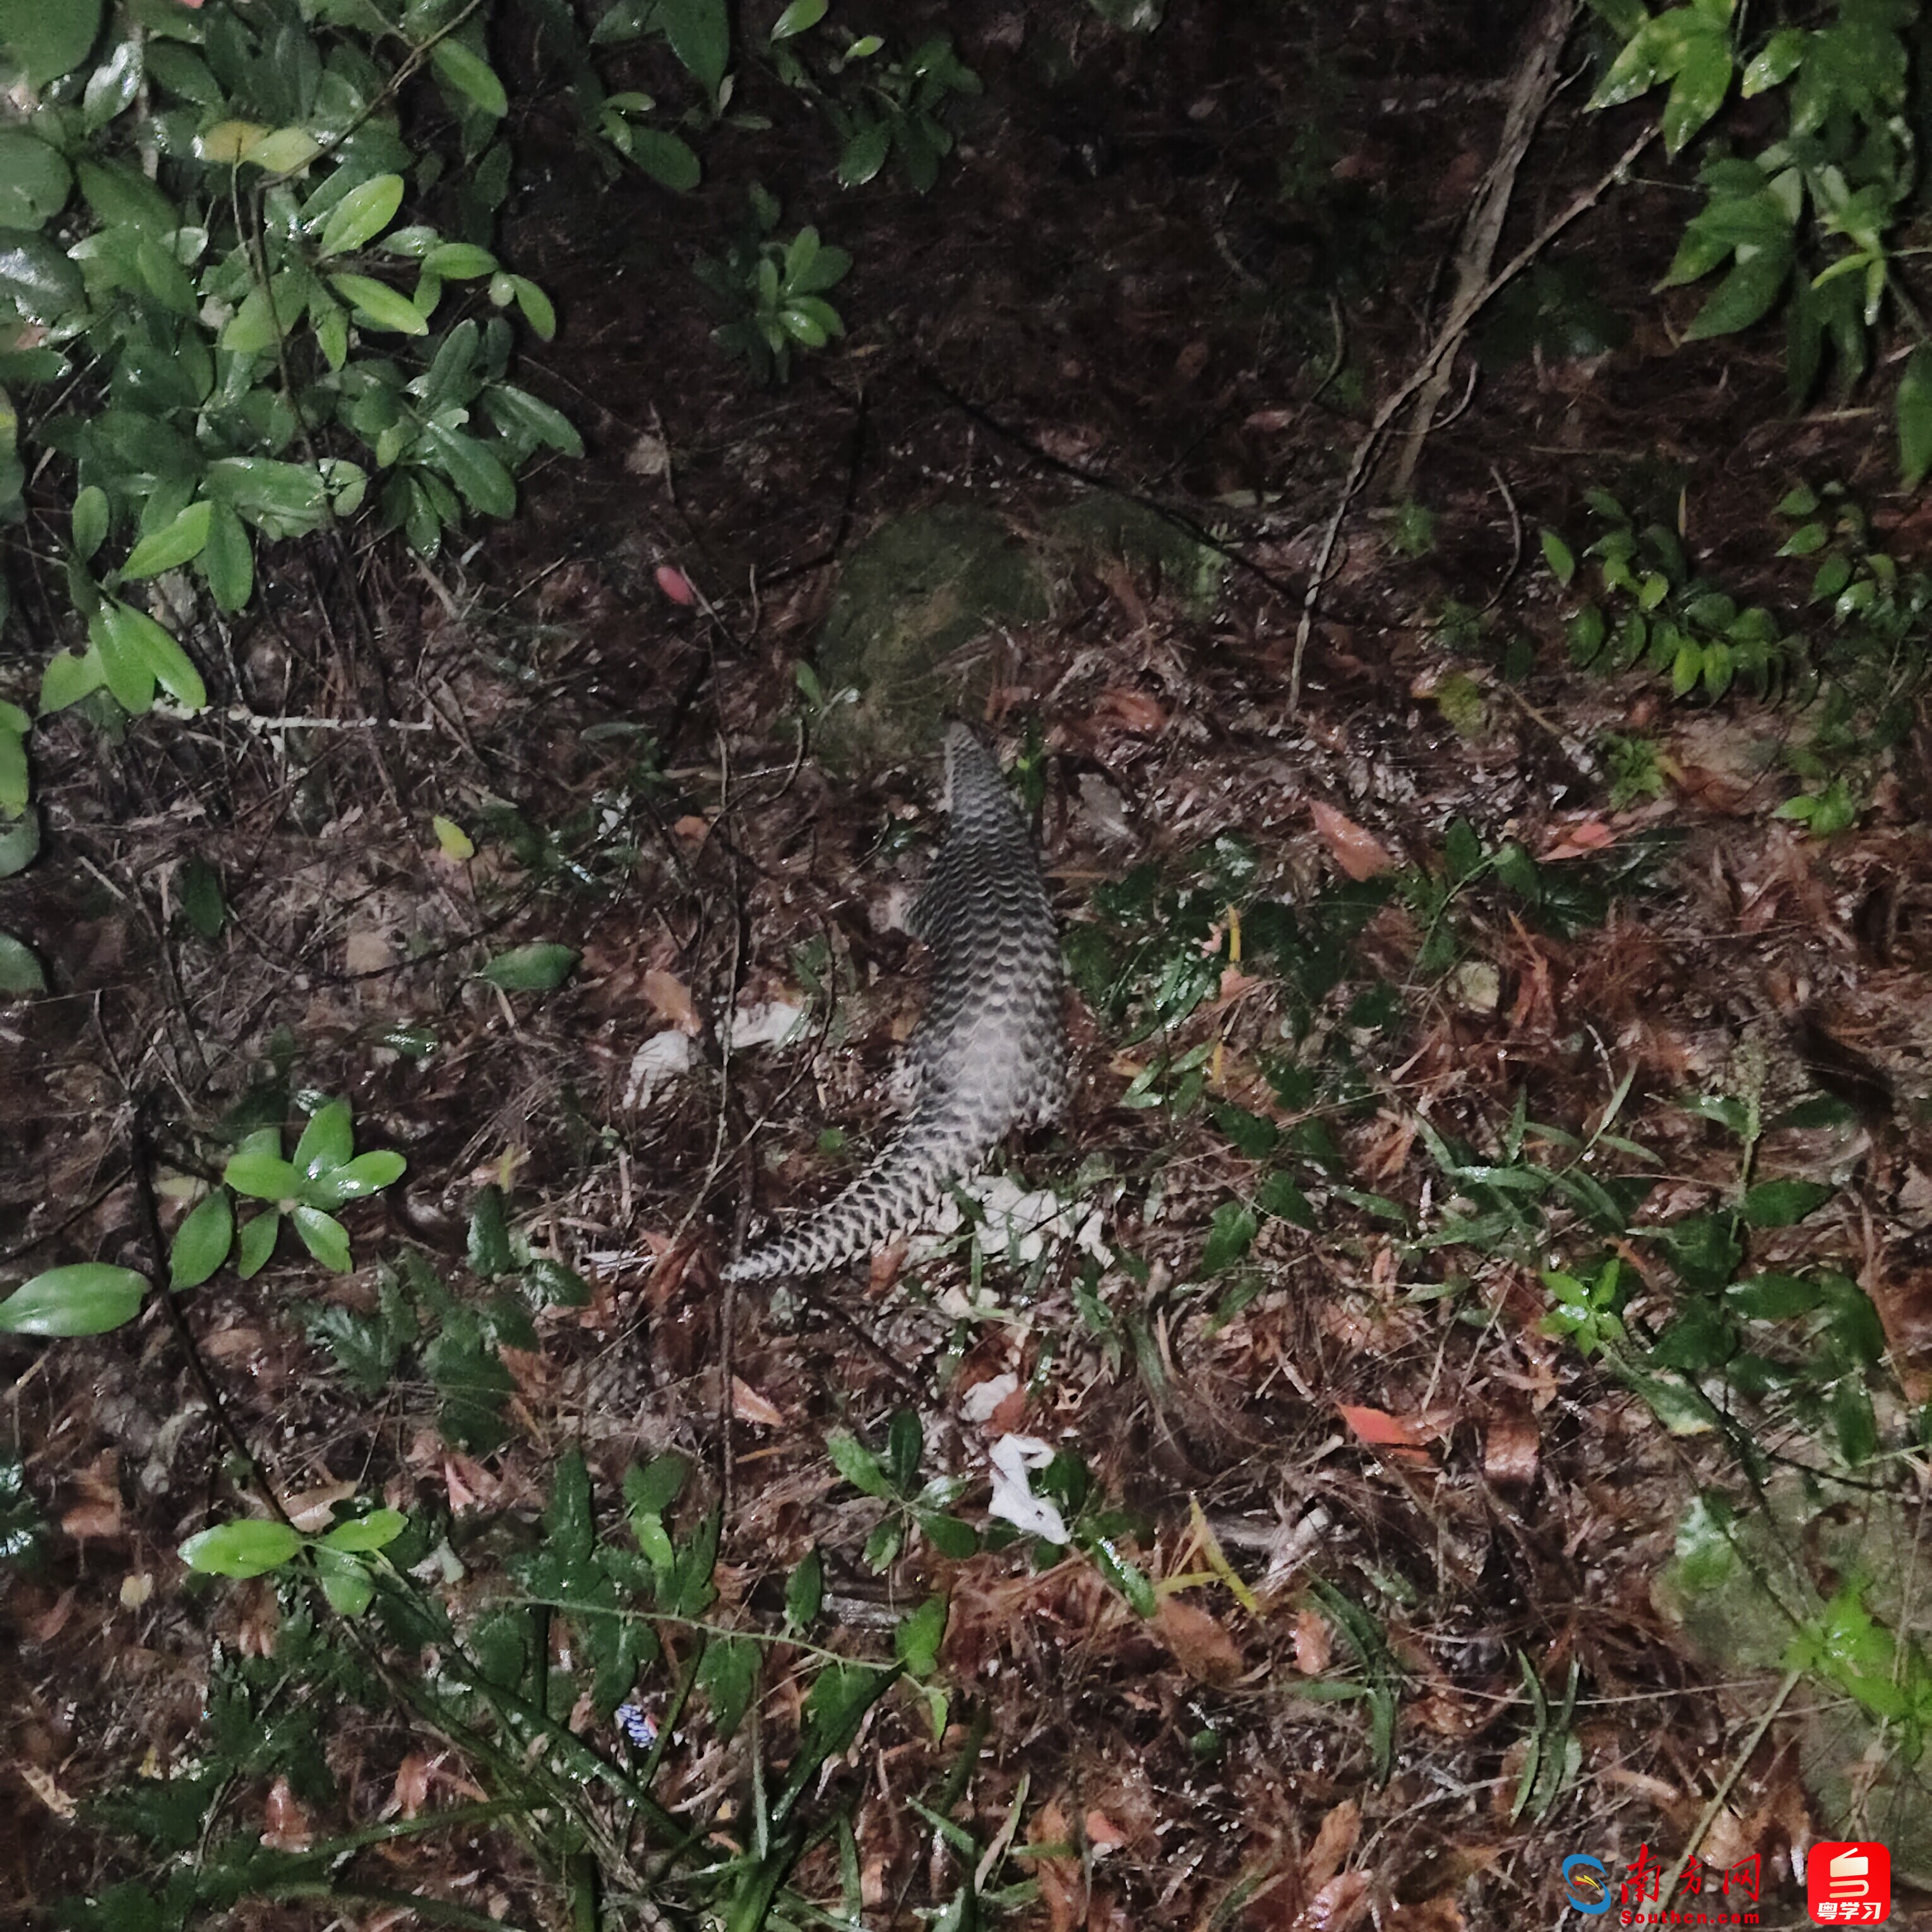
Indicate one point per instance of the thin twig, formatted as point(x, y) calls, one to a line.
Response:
point(1458, 320)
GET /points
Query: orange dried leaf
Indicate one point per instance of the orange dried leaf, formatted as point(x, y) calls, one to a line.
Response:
point(1135, 709)
point(410, 1792)
point(1359, 853)
point(1200, 1645)
point(671, 1001)
point(748, 1406)
point(285, 1824)
point(1335, 1839)
point(1314, 1643)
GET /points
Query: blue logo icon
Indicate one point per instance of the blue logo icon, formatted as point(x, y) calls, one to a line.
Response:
point(1586, 1886)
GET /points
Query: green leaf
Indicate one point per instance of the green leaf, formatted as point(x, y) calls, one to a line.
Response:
point(805, 1592)
point(20, 842)
point(865, 154)
point(123, 197)
point(700, 33)
point(228, 562)
point(20, 972)
point(111, 85)
point(485, 484)
point(1915, 417)
point(727, 1673)
point(327, 1140)
point(256, 1243)
point(460, 261)
point(470, 75)
point(346, 1582)
point(201, 1242)
point(517, 413)
point(375, 1531)
point(48, 38)
point(1231, 1231)
point(1703, 80)
point(1852, 1418)
point(797, 18)
point(841, 1695)
point(489, 1246)
point(14, 783)
point(535, 306)
point(530, 969)
point(135, 636)
point(35, 181)
point(917, 1639)
point(168, 549)
point(1782, 1204)
point(1775, 62)
point(249, 1548)
point(123, 666)
point(90, 520)
point(1558, 555)
point(377, 304)
point(362, 215)
point(324, 1237)
point(1745, 295)
point(1279, 1196)
point(368, 1173)
point(857, 1464)
point(1773, 1297)
point(82, 1298)
point(37, 277)
point(262, 1176)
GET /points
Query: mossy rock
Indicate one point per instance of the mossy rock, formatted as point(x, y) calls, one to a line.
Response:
point(1822, 1558)
point(1100, 527)
point(912, 599)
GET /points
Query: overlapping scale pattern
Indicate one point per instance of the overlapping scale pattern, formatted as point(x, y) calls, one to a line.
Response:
point(989, 1052)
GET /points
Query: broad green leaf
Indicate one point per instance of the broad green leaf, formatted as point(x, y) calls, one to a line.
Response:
point(199, 885)
point(20, 841)
point(123, 197)
point(1915, 417)
point(361, 215)
point(486, 485)
point(1279, 1196)
point(20, 973)
point(857, 1464)
point(168, 549)
point(113, 85)
point(530, 969)
point(263, 1176)
point(230, 141)
point(1231, 1230)
point(345, 1582)
point(805, 1592)
point(534, 306)
point(201, 1242)
point(35, 181)
point(666, 159)
point(1782, 1204)
point(249, 1548)
point(37, 277)
point(489, 1244)
point(251, 329)
point(865, 154)
point(180, 71)
point(68, 677)
point(375, 1531)
point(48, 38)
point(797, 18)
point(452, 840)
point(122, 663)
point(228, 562)
point(256, 1243)
point(379, 306)
point(471, 76)
point(82, 1298)
point(90, 520)
point(1703, 80)
point(917, 1638)
point(700, 33)
point(355, 1180)
point(279, 498)
point(285, 150)
point(13, 778)
point(516, 412)
point(1745, 295)
point(1776, 61)
point(1558, 555)
point(460, 261)
point(327, 1140)
point(324, 1237)
point(163, 660)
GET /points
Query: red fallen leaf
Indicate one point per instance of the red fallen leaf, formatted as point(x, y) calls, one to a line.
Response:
point(1376, 1426)
point(286, 1823)
point(410, 1792)
point(671, 1001)
point(95, 1519)
point(1103, 1834)
point(1343, 1902)
point(1200, 1645)
point(1511, 1445)
point(1579, 840)
point(1314, 1643)
point(1133, 708)
point(1359, 853)
point(748, 1406)
point(1334, 1841)
point(692, 829)
point(675, 584)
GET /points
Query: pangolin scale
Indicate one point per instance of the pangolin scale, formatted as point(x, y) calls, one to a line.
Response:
point(989, 1052)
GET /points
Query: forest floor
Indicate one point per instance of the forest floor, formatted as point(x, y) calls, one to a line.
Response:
point(1484, 1307)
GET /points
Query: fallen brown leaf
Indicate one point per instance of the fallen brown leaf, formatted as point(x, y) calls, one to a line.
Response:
point(748, 1406)
point(671, 1001)
point(1200, 1645)
point(285, 1824)
point(1314, 1643)
point(1359, 853)
point(1511, 1445)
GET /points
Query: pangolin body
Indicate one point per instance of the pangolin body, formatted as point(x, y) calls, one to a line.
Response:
point(989, 1052)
